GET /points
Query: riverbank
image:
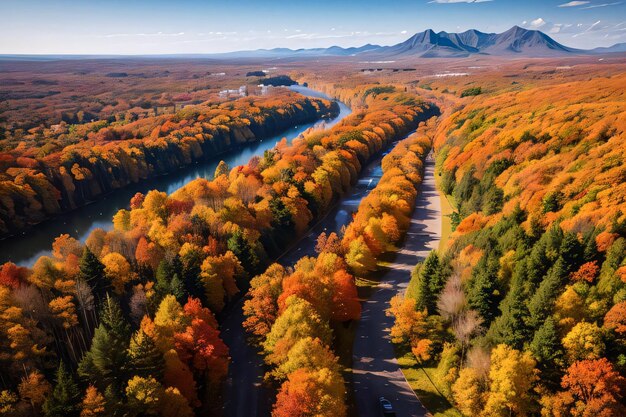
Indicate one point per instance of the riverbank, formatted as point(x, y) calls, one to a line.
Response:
point(26, 248)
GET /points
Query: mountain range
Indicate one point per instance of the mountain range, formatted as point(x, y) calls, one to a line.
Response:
point(431, 44)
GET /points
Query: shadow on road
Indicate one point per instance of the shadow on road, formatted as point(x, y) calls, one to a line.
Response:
point(375, 369)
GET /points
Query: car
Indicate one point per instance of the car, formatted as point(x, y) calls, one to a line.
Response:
point(385, 407)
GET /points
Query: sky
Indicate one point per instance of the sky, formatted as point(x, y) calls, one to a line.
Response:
point(209, 26)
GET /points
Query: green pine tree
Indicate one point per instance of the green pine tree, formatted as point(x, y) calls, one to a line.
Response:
point(510, 327)
point(541, 305)
point(482, 294)
point(177, 289)
point(103, 364)
point(191, 275)
point(430, 283)
point(246, 254)
point(64, 401)
point(144, 357)
point(547, 349)
point(92, 272)
point(572, 251)
point(164, 274)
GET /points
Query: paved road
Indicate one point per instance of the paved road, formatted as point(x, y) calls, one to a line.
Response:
point(244, 394)
point(375, 368)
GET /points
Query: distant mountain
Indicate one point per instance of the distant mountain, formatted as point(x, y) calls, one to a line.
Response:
point(430, 44)
point(516, 40)
point(313, 52)
point(618, 47)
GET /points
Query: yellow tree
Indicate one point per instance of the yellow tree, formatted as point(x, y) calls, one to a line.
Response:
point(118, 270)
point(584, 341)
point(168, 320)
point(468, 392)
point(511, 378)
point(359, 257)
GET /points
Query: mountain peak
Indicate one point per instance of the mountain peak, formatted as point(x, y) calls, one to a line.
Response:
point(443, 44)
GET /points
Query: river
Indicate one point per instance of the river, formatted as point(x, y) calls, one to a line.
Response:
point(25, 249)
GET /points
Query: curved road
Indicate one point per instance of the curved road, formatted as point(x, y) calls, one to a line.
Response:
point(375, 368)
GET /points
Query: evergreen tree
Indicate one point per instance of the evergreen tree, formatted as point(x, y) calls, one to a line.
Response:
point(103, 364)
point(113, 401)
point(113, 319)
point(547, 350)
point(164, 274)
point(242, 249)
point(282, 222)
point(590, 251)
point(537, 265)
point(572, 251)
point(541, 304)
point(609, 282)
point(64, 400)
point(145, 359)
point(177, 289)
point(483, 295)
point(492, 200)
point(192, 262)
point(92, 272)
point(510, 327)
point(422, 294)
point(430, 283)
point(464, 189)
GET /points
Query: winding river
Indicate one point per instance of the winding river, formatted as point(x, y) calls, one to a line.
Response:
point(25, 249)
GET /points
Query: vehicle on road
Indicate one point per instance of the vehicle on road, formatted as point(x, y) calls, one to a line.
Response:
point(386, 408)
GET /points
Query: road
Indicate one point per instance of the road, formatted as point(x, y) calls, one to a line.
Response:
point(244, 394)
point(375, 368)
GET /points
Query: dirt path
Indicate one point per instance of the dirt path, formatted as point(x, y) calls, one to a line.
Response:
point(375, 368)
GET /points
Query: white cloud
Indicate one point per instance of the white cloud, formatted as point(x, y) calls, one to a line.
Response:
point(458, 1)
point(593, 28)
point(574, 4)
point(580, 34)
point(548, 27)
point(537, 23)
point(595, 6)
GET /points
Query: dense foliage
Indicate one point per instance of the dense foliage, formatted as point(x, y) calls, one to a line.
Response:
point(130, 312)
point(291, 313)
point(532, 287)
point(66, 166)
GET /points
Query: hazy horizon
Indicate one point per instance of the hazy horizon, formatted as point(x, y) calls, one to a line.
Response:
point(35, 27)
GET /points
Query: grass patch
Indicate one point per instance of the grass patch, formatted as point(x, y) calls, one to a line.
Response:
point(446, 220)
point(417, 377)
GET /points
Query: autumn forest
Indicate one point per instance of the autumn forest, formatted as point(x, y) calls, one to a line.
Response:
point(454, 242)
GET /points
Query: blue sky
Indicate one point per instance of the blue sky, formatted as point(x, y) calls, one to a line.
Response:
point(187, 26)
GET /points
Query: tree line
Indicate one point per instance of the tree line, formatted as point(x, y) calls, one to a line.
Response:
point(71, 165)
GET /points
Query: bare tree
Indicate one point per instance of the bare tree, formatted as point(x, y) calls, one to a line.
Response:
point(86, 304)
point(452, 300)
point(32, 303)
point(479, 359)
point(138, 304)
